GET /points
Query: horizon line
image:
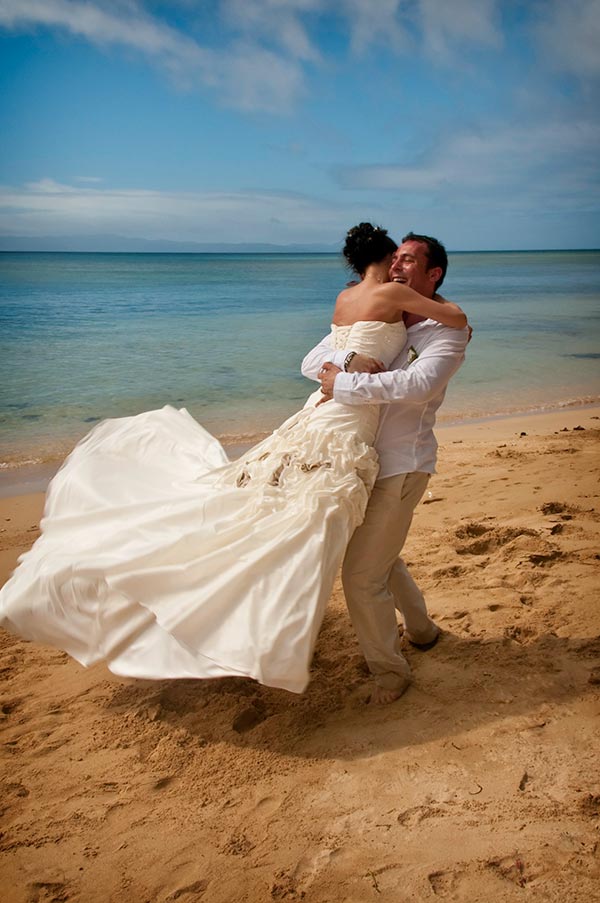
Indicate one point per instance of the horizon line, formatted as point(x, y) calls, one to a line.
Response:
point(283, 249)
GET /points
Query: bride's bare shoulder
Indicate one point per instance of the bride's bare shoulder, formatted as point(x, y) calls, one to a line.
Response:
point(382, 304)
point(344, 307)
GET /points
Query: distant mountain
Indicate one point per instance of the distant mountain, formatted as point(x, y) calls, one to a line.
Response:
point(115, 244)
point(118, 243)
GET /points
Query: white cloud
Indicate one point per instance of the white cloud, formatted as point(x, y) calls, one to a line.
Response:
point(121, 23)
point(252, 78)
point(259, 56)
point(276, 20)
point(48, 186)
point(438, 27)
point(569, 36)
point(50, 208)
point(448, 26)
point(551, 162)
point(369, 26)
point(466, 216)
point(268, 43)
point(247, 77)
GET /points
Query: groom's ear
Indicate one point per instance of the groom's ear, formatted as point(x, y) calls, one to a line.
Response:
point(435, 274)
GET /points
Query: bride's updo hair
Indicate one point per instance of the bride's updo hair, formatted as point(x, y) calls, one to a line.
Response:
point(366, 244)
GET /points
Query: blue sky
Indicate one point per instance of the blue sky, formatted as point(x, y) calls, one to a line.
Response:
point(289, 120)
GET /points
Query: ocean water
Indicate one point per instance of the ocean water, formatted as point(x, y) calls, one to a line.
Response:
point(89, 336)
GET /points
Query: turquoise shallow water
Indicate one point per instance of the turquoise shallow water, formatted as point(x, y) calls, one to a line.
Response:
point(89, 336)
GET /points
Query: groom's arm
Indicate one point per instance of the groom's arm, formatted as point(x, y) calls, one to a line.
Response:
point(420, 382)
point(324, 353)
point(320, 354)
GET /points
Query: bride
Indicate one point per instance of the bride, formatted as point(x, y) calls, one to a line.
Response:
point(161, 557)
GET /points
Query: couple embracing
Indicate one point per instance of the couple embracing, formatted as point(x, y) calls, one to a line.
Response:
point(166, 560)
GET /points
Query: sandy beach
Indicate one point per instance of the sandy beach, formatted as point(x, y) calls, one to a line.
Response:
point(480, 784)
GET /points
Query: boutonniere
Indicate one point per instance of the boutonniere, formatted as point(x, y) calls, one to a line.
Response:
point(412, 354)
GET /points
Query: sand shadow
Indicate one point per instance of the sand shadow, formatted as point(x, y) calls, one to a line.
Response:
point(462, 684)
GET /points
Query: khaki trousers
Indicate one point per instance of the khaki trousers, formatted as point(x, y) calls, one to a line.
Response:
point(377, 582)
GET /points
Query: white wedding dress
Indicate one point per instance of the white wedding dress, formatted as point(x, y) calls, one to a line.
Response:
point(166, 560)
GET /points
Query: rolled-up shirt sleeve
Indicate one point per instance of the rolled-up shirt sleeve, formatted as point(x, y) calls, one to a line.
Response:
point(415, 383)
point(319, 355)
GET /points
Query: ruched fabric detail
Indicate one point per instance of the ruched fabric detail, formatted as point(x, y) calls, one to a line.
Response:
point(164, 559)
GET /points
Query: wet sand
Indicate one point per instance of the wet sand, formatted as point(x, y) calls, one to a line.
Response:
point(481, 783)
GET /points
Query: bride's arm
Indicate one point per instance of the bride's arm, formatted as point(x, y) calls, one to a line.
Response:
point(446, 312)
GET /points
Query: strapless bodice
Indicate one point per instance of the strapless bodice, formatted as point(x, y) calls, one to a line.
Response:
point(375, 338)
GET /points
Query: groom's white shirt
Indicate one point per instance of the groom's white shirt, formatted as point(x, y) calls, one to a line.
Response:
point(411, 392)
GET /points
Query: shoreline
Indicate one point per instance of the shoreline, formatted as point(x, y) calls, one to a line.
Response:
point(32, 475)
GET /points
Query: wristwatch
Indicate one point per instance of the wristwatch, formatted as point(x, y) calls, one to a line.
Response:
point(348, 359)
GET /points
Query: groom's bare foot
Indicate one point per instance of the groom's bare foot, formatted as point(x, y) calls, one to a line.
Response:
point(383, 696)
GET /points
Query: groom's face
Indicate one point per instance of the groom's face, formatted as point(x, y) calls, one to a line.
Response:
point(410, 266)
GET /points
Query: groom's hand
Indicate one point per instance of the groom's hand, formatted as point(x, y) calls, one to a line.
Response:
point(327, 375)
point(362, 363)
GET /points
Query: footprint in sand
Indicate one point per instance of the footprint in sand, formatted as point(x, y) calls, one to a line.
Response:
point(542, 559)
point(268, 805)
point(249, 717)
point(511, 868)
point(555, 508)
point(468, 882)
point(284, 888)
point(442, 883)
point(520, 634)
point(590, 805)
point(478, 538)
point(586, 648)
point(47, 892)
point(504, 452)
point(8, 706)
point(412, 817)
point(10, 794)
point(454, 570)
point(386, 878)
point(238, 845)
point(40, 743)
point(189, 893)
point(312, 862)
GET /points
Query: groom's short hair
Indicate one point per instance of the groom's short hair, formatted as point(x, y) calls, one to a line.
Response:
point(436, 253)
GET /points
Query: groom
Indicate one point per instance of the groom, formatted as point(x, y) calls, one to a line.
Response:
point(376, 580)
